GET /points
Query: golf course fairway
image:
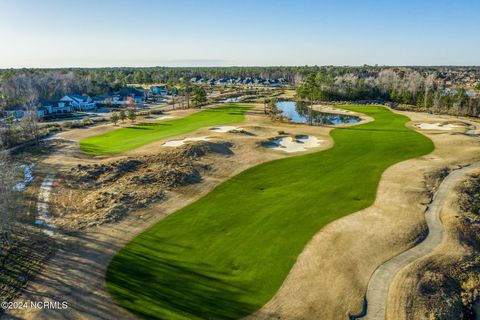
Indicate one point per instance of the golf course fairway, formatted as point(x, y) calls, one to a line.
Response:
point(226, 255)
point(135, 136)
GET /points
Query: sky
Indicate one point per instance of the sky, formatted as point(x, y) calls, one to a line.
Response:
point(113, 33)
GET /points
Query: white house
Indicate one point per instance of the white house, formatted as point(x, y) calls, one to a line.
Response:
point(55, 106)
point(80, 103)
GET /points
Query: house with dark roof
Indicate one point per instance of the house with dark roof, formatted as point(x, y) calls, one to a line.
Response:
point(107, 98)
point(80, 102)
point(159, 90)
point(127, 94)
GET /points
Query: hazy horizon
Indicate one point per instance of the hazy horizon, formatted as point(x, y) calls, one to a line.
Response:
point(214, 33)
point(241, 66)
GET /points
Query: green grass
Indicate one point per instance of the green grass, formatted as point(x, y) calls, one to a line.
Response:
point(227, 254)
point(135, 136)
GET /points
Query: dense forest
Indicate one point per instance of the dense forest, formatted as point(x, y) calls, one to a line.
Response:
point(405, 88)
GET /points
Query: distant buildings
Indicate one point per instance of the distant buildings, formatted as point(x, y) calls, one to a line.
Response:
point(248, 81)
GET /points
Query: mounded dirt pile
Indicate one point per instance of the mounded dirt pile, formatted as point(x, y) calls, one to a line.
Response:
point(91, 195)
point(469, 198)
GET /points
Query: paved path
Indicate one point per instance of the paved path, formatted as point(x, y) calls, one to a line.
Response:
point(382, 277)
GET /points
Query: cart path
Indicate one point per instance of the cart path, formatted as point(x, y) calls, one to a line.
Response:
point(44, 219)
point(379, 283)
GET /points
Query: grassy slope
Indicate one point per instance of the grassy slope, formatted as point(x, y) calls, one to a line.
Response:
point(129, 138)
point(227, 254)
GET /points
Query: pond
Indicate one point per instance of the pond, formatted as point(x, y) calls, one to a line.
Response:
point(299, 112)
point(230, 100)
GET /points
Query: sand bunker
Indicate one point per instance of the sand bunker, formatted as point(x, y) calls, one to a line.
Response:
point(162, 117)
point(225, 128)
point(177, 143)
point(290, 144)
point(435, 126)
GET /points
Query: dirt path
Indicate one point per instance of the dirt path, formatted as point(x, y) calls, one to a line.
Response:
point(43, 215)
point(382, 277)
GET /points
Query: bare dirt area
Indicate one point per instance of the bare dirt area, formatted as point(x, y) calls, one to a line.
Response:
point(317, 287)
point(87, 238)
point(89, 195)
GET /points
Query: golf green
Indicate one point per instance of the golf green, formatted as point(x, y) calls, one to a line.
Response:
point(135, 136)
point(227, 254)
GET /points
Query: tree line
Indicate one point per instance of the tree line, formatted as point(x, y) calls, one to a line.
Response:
point(404, 84)
point(408, 88)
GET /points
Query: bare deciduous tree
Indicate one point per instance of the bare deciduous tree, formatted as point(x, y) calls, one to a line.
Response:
point(30, 120)
point(6, 205)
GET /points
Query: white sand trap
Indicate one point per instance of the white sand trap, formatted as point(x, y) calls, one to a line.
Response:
point(225, 128)
point(178, 143)
point(436, 126)
point(163, 117)
point(289, 144)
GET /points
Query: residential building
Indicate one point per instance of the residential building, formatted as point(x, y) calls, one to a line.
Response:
point(159, 90)
point(80, 102)
point(56, 106)
point(138, 95)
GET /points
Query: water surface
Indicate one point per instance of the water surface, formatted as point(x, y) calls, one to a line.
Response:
point(230, 100)
point(299, 112)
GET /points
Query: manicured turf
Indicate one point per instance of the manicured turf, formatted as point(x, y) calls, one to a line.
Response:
point(227, 254)
point(129, 138)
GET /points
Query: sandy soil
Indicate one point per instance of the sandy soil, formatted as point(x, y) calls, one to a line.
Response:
point(330, 277)
point(436, 126)
point(178, 143)
point(76, 273)
point(225, 128)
